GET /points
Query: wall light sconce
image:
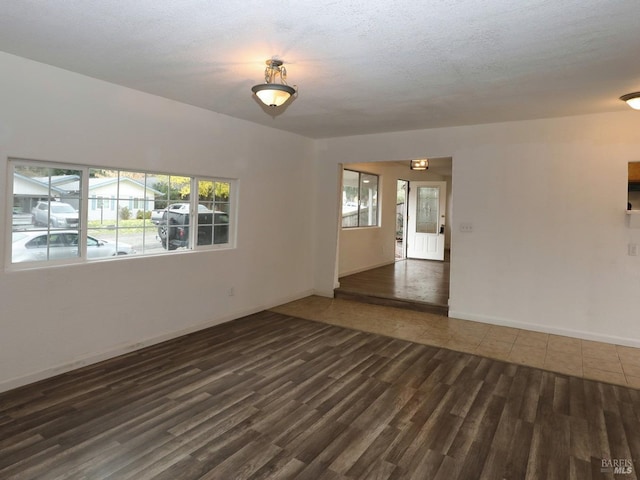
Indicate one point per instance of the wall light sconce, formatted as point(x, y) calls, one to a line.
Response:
point(270, 93)
point(632, 99)
point(422, 164)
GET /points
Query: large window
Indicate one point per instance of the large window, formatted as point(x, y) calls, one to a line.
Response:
point(66, 214)
point(359, 199)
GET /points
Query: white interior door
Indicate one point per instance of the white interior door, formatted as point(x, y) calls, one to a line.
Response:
point(427, 207)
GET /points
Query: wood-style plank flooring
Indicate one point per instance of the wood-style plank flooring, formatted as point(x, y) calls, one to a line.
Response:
point(421, 285)
point(274, 396)
point(606, 362)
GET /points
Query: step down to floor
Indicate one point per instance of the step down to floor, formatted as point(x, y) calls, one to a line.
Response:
point(392, 302)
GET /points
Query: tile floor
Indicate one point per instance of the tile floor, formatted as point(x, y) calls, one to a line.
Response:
point(582, 358)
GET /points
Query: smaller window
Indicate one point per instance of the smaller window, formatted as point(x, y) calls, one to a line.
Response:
point(359, 199)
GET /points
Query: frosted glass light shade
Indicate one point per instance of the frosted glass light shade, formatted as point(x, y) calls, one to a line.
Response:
point(634, 103)
point(273, 94)
point(632, 99)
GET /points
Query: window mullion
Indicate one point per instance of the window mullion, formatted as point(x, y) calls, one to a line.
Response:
point(193, 217)
point(83, 202)
point(359, 198)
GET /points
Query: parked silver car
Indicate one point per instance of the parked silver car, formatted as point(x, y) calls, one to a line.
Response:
point(55, 214)
point(34, 246)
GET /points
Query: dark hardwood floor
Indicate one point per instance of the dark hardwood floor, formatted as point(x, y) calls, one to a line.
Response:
point(421, 285)
point(272, 396)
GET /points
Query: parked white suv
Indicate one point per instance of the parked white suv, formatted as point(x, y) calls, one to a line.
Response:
point(55, 214)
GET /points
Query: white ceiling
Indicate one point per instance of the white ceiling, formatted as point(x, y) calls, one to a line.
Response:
point(361, 66)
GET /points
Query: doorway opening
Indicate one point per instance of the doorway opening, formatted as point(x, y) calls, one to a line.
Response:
point(370, 268)
point(426, 229)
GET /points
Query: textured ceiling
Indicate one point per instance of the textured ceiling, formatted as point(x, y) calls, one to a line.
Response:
point(361, 67)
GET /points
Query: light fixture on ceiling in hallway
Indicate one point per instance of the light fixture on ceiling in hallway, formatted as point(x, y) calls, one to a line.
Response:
point(632, 99)
point(421, 164)
point(271, 93)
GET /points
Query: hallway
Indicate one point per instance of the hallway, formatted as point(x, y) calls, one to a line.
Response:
point(421, 285)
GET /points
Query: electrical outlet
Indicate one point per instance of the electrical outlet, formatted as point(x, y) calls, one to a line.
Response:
point(633, 249)
point(231, 291)
point(466, 227)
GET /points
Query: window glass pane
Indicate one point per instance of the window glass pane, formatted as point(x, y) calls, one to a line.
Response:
point(103, 184)
point(427, 210)
point(127, 227)
point(350, 197)
point(221, 234)
point(213, 212)
point(114, 224)
point(221, 229)
point(206, 193)
point(205, 225)
point(131, 188)
point(148, 204)
point(46, 206)
point(368, 200)
point(148, 240)
point(222, 212)
point(222, 191)
point(205, 235)
point(180, 189)
point(160, 185)
point(173, 229)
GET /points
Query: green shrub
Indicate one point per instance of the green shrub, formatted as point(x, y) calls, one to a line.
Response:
point(125, 213)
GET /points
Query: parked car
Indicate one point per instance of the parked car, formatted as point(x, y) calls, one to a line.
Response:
point(156, 215)
point(20, 218)
point(173, 229)
point(55, 214)
point(33, 246)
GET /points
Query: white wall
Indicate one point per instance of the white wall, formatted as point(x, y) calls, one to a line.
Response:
point(369, 247)
point(57, 318)
point(547, 201)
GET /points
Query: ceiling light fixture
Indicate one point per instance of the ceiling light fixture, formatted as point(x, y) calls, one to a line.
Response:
point(422, 164)
point(632, 99)
point(270, 93)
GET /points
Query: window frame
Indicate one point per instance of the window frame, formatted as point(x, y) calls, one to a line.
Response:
point(358, 211)
point(86, 200)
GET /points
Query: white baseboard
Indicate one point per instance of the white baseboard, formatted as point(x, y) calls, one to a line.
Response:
point(131, 347)
point(566, 332)
point(324, 293)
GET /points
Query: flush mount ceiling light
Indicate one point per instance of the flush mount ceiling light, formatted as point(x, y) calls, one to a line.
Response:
point(270, 93)
point(422, 164)
point(632, 99)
